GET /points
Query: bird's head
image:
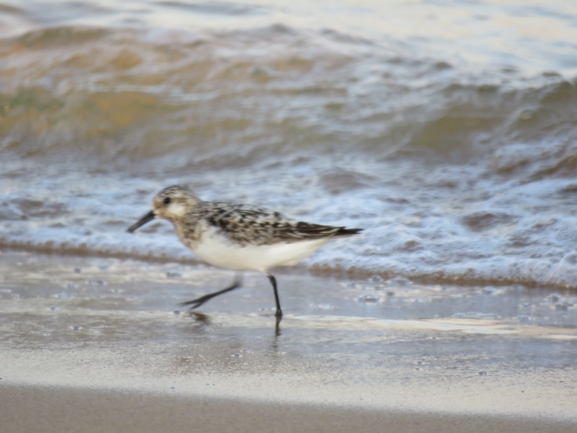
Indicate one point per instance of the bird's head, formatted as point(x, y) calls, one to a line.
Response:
point(172, 203)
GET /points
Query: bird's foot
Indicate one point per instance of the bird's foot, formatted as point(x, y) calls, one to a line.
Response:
point(195, 303)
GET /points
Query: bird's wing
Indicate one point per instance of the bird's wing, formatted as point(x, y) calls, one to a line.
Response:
point(255, 226)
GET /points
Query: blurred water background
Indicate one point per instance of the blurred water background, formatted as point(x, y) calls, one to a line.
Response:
point(446, 128)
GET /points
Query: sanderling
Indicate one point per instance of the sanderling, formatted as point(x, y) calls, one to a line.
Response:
point(237, 236)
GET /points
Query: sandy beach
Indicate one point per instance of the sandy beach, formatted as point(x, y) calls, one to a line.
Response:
point(95, 344)
point(446, 130)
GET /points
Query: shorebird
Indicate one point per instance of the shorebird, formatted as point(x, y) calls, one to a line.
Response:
point(238, 236)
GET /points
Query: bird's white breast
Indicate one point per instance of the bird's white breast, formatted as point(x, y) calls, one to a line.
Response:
point(217, 250)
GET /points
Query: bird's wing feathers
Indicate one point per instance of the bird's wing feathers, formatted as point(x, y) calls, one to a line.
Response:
point(256, 226)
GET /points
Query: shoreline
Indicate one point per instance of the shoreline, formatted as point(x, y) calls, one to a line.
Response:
point(314, 271)
point(89, 344)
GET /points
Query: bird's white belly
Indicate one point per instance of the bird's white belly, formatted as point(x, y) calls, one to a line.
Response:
point(217, 250)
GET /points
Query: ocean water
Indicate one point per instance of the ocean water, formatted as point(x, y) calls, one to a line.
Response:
point(446, 129)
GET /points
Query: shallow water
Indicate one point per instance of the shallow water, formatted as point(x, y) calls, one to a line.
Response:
point(445, 128)
point(58, 302)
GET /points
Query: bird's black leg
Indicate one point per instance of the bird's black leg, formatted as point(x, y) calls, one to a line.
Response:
point(278, 313)
point(195, 303)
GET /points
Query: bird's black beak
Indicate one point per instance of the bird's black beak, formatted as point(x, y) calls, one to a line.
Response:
point(146, 218)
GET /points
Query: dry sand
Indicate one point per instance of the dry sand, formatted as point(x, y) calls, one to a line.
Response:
point(90, 344)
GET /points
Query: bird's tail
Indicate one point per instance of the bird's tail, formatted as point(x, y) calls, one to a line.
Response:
point(343, 232)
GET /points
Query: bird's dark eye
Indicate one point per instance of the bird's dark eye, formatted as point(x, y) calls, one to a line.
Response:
point(166, 200)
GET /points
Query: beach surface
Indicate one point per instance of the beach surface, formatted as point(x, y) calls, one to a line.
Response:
point(447, 130)
point(94, 344)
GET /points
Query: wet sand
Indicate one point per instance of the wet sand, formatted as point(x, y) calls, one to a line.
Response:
point(94, 344)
